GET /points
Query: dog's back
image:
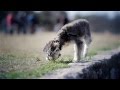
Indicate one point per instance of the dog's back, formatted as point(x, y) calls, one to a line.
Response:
point(77, 28)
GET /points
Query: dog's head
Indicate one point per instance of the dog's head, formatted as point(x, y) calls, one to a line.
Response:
point(52, 50)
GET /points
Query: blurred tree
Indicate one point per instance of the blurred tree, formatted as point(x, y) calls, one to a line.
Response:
point(102, 23)
point(116, 23)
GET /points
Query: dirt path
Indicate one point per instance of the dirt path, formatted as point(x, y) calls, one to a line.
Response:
point(76, 69)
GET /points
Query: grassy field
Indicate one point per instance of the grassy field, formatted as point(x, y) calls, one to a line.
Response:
point(21, 56)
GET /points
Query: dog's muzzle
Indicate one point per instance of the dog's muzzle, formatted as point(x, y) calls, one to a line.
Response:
point(52, 57)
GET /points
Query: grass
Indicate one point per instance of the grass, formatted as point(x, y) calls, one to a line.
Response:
point(20, 66)
point(103, 48)
point(43, 69)
point(21, 56)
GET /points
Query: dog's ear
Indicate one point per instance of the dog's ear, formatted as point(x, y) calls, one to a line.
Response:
point(47, 46)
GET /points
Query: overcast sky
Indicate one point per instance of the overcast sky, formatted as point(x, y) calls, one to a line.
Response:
point(110, 14)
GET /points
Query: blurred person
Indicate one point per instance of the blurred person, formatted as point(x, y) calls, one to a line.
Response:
point(9, 18)
point(61, 21)
point(65, 21)
point(32, 22)
point(17, 22)
point(24, 23)
point(29, 21)
point(20, 20)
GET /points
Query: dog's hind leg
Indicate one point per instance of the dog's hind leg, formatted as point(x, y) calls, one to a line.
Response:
point(84, 50)
point(80, 50)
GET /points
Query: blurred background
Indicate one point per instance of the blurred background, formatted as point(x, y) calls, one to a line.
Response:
point(34, 21)
point(23, 35)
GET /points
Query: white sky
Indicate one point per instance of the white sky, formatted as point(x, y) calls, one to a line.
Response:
point(110, 14)
point(86, 13)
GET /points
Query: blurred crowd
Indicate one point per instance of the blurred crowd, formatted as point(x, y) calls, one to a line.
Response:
point(20, 22)
point(28, 22)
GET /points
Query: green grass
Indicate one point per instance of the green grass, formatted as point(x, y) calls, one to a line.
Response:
point(95, 51)
point(46, 68)
point(16, 67)
point(92, 53)
point(98, 50)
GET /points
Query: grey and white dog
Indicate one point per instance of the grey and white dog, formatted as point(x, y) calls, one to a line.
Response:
point(77, 31)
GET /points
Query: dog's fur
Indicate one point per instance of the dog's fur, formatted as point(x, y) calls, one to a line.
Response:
point(77, 31)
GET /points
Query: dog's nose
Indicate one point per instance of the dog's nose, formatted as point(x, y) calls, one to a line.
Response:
point(59, 55)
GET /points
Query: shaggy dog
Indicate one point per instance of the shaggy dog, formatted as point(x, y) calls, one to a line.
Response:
point(77, 31)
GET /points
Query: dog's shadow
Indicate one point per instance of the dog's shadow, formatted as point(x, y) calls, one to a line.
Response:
point(70, 61)
point(64, 62)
